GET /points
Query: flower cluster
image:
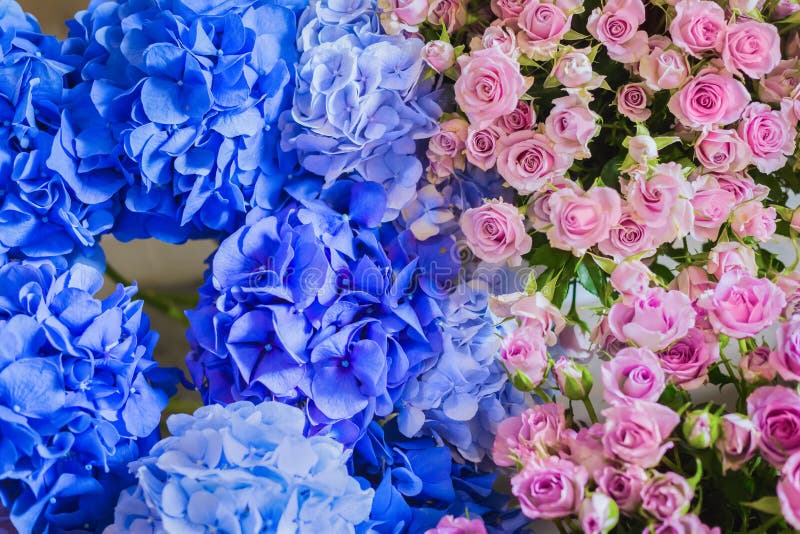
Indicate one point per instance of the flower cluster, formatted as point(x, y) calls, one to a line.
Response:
point(242, 468)
point(80, 395)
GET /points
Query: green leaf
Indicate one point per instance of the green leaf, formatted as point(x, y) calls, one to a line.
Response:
point(549, 289)
point(769, 505)
point(671, 397)
point(572, 35)
point(662, 142)
point(717, 377)
point(606, 264)
point(444, 36)
point(531, 285)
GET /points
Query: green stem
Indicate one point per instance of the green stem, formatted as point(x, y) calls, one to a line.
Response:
point(171, 304)
point(560, 526)
point(543, 394)
point(590, 409)
point(774, 520)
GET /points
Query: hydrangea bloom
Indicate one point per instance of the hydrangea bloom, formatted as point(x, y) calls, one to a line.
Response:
point(186, 96)
point(42, 213)
point(358, 107)
point(242, 468)
point(79, 394)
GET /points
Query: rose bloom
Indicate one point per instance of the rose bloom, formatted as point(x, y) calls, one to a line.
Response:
point(790, 285)
point(663, 69)
point(781, 81)
point(617, 27)
point(750, 47)
point(439, 55)
point(539, 207)
point(497, 36)
point(737, 441)
point(637, 433)
point(542, 427)
point(741, 306)
point(709, 99)
point(495, 232)
point(631, 279)
point(682, 524)
point(528, 160)
point(410, 12)
point(537, 311)
point(623, 485)
point(642, 148)
point(571, 125)
point(450, 13)
point(742, 186)
point(686, 362)
point(756, 365)
point(598, 514)
point(722, 150)
point(729, 255)
point(627, 238)
point(699, 26)
point(667, 495)
point(632, 374)
point(481, 147)
point(584, 447)
point(770, 135)
point(522, 118)
point(446, 147)
point(573, 69)
point(458, 525)
point(712, 206)
point(524, 350)
point(786, 358)
point(795, 222)
point(507, 10)
point(632, 101)
point(775, 412)
point(789, 491)
point(654, 320)
point(542, 26)
point(657, 201)
point(582, 221)
point(549, 488)
point(692, 281)
point(489, 86)
point(752, 219)
point(507, 448)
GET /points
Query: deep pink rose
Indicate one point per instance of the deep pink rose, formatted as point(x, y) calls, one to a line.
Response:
point(439, 55)
point(537, 311)
point(617, 27)
point(637, 433)
point(770, 135)
point(528, 160)
point(692, 281)
point(631, 279)
point(686, 362)
point(632, 374)
point(522, 118)
point(543, 24)
point(632, 101)
point(481, 147)
point(663, 69)
point(581, 221)
point(549, 488)
point(667, 495)
point(495, 232)
point(525, 350)
point(598, 514)
point(450, 13)
point(752, 219)
point(750, 47)
point(654, 320)
point(573, 69)
point(775, 412)
point(623, 485)
point(789, 491)
point(741, 306)
point(489, 86)
point(756, 365)
point(709, 99)
point(729, 255)
point(786, 358)
point(737, 441)
point(722, 150)
point(712, 206)
point(627, 238)
point(458, 525)
point(699, 26)
point(571, 125)
point(780, 82)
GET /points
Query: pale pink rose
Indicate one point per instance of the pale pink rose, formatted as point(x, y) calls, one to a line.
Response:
point(729, 255)
point(450, 13)
point(571, 125)
point(775, 412)
point(623, 485)
point(741, 306)
point(538, 312)
point(663, 68)
point(755, 365)
point(630, 279)
point(549, 488)
point(699, 26)
point(742, 186)
point(691, 281)
point(481, 147)
point(602, 336)
point(638, 433)
point(528, 161)
point(522, 118)
point(682, 524)
point(789, 491)
point(543, 427)
point(627, 238)
point(490, 85)
point(495, 232)
point(585, 447)
point(737, 442)
point(582, 221)
point(752, 219)
point(632, 374)
point(750, 47)
point(617, 27)
point(542, 26)
point(507, 448)
point(500, 305)
point(446, 147)
point(786, 357)
point(439, 55)
point(525, 350)
point(654, 320)
point(667, 495)
point(632, 102)
point(709, 99)
point(657, 201)
point(573, 69)
point(461, 525)
point(780, 83)
point(598, 514)
point(410, 12)
point(770, 135)
point(507, 10)
point(497, 36)
point(722, 150)
point(539, 208)
point(712, 206)
point(642, 148)
point(792, 47)
point(790, 285)
point(745, 6)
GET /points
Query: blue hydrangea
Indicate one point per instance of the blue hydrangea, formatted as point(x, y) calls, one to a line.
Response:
point(243, 468)
point(42, 213)
point(79, 395)
point(358, 105)
point(186, 97)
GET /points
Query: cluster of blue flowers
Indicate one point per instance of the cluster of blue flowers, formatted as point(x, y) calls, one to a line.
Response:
point(243, 468)
point(80, 395)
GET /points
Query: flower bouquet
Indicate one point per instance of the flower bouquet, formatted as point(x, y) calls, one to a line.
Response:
point(440, 222)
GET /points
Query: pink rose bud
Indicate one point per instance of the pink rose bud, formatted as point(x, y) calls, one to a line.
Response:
point(691, 281)
point(632, 101)
point(701, 429)
point(524, 350)
point(709, 99)
point(482, 147)
point(638, 433)
point(686, 361)
point(756, 365)
point(737, 441)
point(745, 6)
point(461, 525)
point(622, 485)
point(729, 255)
point(789, 491)
point(667, 495)
point(784, 8)
point(722, 150)
point(450, 13)
point(633, 374)
point(439, 55)
point(571, 125)
point(786, 358)
point(752, 48)
point(631, 279)
point(699, 26)
point(549, 488)
point(598, 514)
point(663, 69)
point(581, 221)
point(573, 69)
point(495, 232)
point(775, 412)
point(542, 26)
point(752, 219)
point(770, 135)
point(642, 148)
point(655, 320)
point(574, 380)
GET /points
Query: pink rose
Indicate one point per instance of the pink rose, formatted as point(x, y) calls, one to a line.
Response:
point(709, 99)
point(624, 486)
point(752, 219)
point(632, 374)
point(663, 68)
point(572, 379)
point(542, 427)
point(784, 8)
point(786, 358)
point(500, 305)
point(789, 491)
point(770, 135)
point(632, 101)
point(667, 495)
point(775, 412)
point(756, 365)
point(584, 447)
point(539, 207)
point(439, 55)
point(522, 118)
point(506, 448)
point(682, 524)
point(712, 206)
point(410, 12)
point(507, 10)
point(627, 238)
point(538, 312)
point(780, 83)
point(525, 350)
point(751, 47)
point(658, 201)
point(481, 147)
point(691, 281)
point(654, 320)
point(638, 433)
point(722, 150)
point(795, 222)
point(573, 69)
point(699, 26)
point(497, 36)
point(571, 125)
point(582, 221)
point(742, 186)
point(490, 85)
point(495, 232)
point(598, 514)
point(549, 488)
point(617, 27)
point(450, 13)
point(446, 148)
point(642, 148)
point(790, 285)
point(528, 160)
point(461, 525)
point(737, 441)
point(543, 24)
point(686, 362)
point(729, 255)
point(630, 279)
